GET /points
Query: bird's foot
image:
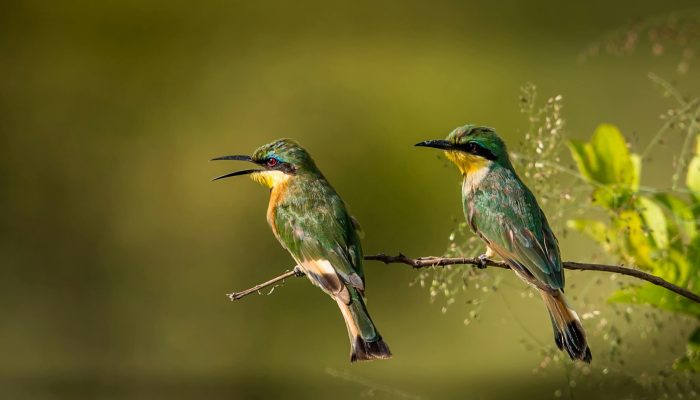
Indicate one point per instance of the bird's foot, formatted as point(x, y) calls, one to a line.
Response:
point(483, 261)
point(298, 271)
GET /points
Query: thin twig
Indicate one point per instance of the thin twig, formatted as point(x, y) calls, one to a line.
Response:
point(239, 295)
point(659, 134)
point(670, 89)
point(425, 262)
point(686, 146)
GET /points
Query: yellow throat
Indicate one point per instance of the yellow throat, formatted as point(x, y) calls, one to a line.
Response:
point(276, 181)
point(467, 163)
point(270, 178)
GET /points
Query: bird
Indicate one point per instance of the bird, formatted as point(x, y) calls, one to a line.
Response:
point(503, 212)
point(311, 221)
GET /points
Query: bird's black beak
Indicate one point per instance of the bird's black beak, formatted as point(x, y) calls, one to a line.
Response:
point(437, 144)
point(236, 158)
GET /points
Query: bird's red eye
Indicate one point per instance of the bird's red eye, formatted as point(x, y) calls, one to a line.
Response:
point(271, 162)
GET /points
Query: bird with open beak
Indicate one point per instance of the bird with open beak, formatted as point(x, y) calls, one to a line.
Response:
point(312, 223)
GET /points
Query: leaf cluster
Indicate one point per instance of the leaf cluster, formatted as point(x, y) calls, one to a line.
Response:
point(655, 231)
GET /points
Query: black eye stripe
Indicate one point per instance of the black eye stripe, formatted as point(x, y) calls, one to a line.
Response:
point(479, 150)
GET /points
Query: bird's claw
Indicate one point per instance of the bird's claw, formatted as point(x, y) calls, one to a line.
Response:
point(298, 271)
point(483, 261)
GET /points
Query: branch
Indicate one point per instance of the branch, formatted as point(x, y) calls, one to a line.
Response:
point(424, 262)
point(296, 272)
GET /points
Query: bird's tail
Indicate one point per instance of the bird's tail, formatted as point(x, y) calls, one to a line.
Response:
point(568, 332)
point(365, 341)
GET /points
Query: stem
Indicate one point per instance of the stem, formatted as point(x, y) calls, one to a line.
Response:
point(685, 148)
point(659, 134)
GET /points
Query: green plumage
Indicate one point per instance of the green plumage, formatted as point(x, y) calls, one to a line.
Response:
point(504, 213)
point(311, 221)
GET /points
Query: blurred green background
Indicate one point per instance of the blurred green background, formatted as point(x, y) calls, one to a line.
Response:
point(117, 250)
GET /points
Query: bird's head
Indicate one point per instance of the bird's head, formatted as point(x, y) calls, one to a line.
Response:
point(278, 162)
point(472, 148)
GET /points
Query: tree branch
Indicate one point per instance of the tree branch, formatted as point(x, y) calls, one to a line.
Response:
point(424, 262)
point(296, 272)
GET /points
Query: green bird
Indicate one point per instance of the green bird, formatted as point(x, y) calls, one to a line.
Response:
point(504, 213)
point(312, 223)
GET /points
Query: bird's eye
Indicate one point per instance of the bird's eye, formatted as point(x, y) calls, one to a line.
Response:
point(271, 162)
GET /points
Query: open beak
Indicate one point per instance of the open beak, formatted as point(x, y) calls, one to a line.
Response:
point(437, 144)
point(236, 173)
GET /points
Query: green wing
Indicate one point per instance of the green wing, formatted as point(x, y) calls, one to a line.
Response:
point(504, 212)
point(313, 224)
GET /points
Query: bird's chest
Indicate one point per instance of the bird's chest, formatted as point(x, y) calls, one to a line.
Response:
point(474, 178)
point(293, 209)
point(278, 197)
point(473, 192)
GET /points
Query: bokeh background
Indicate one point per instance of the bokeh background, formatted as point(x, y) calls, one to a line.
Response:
point(117, 250)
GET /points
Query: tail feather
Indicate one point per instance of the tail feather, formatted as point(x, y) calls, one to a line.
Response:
point(568, 331)
point(365, 341)
point(363, 350)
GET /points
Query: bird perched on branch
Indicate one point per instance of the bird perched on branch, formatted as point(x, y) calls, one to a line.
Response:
point(311, 221)
point(503, 212)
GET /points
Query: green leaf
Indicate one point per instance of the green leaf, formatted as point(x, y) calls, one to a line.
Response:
point(681, 212)
point(655, 221)
point(649, 294)
point(638, 247)
point(681, 266)
point(606, 163)
point(672, 267)
point(586, 160)
point(614, 160)
point(693, 259)
point(691, 360)
point(637, 170)
point(692, 179)
point(611, 197)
